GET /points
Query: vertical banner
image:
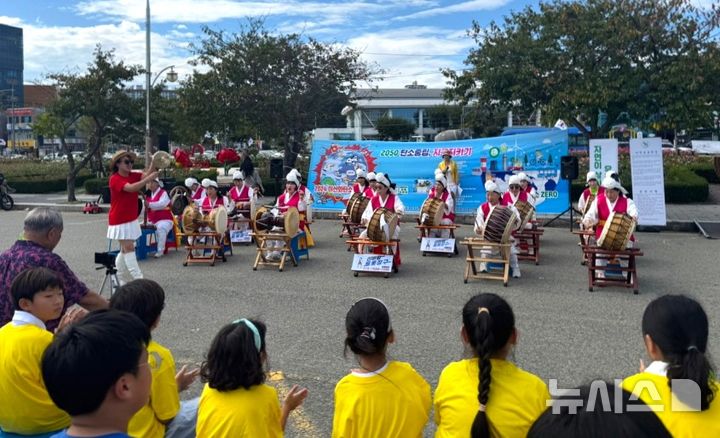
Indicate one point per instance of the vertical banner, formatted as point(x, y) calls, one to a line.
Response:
point(648, 181)
point(411, 167)
point(603, 156)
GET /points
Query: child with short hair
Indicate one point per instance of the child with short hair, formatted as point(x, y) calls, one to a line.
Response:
point(163, 415)
point(27, 409)
point(675, 330)
point(97, 371)
point(235, 401)
point(381, 398)
point(463, 402)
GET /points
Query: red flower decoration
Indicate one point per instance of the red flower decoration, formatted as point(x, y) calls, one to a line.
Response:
point(182, 158)
point(227, 156)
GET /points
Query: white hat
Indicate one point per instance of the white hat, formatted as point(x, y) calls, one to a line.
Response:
point(371, 176)
point(207, 182)
point(610, 173)
point(238, 175)
point(189, 182)
point(360, 173)
point(292, 177)
point(382, 179)
point(590, 176)
point(491, 186)
point(439, 177)
point(523, 177)
point(160, 183)
point(609, 183)
point(514, 180)
point(297, 173)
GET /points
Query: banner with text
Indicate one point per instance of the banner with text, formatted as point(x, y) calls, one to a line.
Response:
point(603, 156)
point(411, 167)
point(648, 187)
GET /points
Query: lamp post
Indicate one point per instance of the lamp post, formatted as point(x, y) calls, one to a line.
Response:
point(171, 76)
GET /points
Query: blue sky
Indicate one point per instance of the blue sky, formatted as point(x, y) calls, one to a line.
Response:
point(410, 39)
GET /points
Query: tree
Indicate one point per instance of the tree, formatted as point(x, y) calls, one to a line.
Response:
point(394, 128)
point(97, 95)
point(272, 85)
point(656, 59)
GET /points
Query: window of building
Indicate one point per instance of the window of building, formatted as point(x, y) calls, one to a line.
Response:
point(409, 114)
point(371, 116)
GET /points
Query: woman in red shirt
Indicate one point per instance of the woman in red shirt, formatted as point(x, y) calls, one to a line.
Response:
point(122, 221)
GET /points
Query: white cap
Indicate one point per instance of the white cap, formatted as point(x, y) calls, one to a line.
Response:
point(523, 176)
point(609, 183)
point(297, 174)
point(189, 182)
point(160, 183)
point(439, 177)
point(360, 173)
point(238, 175)
point(382, 179)
point(514, 180)
point(292, 177)
point(371, 176)
point(610, 173)
point(207, 182)
point(491, 186)
point(591, 175)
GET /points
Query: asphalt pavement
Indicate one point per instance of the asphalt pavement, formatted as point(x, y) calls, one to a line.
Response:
point(566, 332)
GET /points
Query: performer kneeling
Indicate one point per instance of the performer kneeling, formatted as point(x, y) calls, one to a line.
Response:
point(441, 191)
point(517, 194)
point(291, 197)
point(386, 198)
point(159, 214)
point(494, 199)
point(242, 196)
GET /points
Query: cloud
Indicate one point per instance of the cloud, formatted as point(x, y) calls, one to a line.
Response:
point(469, 6)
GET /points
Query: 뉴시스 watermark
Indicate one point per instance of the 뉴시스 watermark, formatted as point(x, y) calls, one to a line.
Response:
point(686, 397)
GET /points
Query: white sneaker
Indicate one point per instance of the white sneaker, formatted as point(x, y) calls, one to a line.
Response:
point(158, 255)
point(516, 272)
point(483, 267)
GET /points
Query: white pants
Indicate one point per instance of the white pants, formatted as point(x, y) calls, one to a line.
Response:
point(442, 233)
point(163, 228)
point(487, 252)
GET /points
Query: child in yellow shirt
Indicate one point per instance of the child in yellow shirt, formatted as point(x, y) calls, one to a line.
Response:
point(680, 385)
point(488, 395)
point(25, 406)
point(380, 398)
point(235, 401)
point(163, 415)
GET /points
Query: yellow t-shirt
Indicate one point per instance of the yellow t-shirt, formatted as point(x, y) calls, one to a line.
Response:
point(164, 403)
point(25, 405)
point(679, 424)
point(393, 403)
point(516, 400)
point(252, 413)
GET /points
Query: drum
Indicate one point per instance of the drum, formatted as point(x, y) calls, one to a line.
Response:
point(616, 232)
point(431, 212)
point(179, 200)
point(499, 225)
point(265, 220)
point(381, 227)
point(246, 208)
point(588, 203)
point(191, 219)
point(356, 207)
point(526, 211)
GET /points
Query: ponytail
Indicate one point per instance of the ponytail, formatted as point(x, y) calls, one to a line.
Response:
point(483, 333)
point(693, 365)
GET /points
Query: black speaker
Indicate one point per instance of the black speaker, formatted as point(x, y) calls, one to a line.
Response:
point(569, 167)
point(164, 142)
point(276, 168)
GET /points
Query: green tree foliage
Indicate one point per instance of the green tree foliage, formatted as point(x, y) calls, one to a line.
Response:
point(655, 59)
point(275, 86)
point(394, 128)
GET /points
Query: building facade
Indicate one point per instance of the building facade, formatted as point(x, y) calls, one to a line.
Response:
point(11, 73)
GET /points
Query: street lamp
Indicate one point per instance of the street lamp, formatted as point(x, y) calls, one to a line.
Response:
point(171, 76)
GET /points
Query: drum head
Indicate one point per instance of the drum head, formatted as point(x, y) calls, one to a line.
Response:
point(292, 221)
point(256, 219)
point(357, 208)
point(219, 219)
point(392, 221)
point(189, 219)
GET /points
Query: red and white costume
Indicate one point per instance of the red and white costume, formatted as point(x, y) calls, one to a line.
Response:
point(159, 214)
point(448, 217)
point(483, 213)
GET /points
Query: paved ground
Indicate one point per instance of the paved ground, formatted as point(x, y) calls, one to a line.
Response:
point(566, 332)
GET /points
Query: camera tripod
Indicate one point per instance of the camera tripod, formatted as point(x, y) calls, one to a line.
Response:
point(111, 274)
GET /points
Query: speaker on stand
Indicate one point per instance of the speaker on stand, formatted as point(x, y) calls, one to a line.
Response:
point(276, 172)
point(569, 171)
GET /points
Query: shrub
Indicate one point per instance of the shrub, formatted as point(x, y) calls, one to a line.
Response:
point(94, 186)
point(46, 185)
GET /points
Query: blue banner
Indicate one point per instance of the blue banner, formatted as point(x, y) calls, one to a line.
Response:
point(411, 166)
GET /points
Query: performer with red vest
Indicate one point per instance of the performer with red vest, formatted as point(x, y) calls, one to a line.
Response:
point(241, 194)
point(494, 199)
point(515, 194)
point(385, 197)
point(528, 187)
point(441, 191)
point(196, 191)
point(361, 182)
point(159, 214)
point(590, 192)
point(370, 189)
point(293, 197)
point(212, 197)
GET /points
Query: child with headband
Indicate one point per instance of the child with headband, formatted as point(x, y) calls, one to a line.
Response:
point(680, 385)
point(235, 401)
point(380, 398)
point(488, 395)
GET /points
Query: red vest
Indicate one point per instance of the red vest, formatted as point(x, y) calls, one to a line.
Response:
point(368, 193)
point(486, 208)
point(389, 203)
point(604, 212)
point(507, 198)
point(586, 193)
point(198, 193)
point(208, 205)
point(242, 195)
point(156, 216)
point(357, 188)
point(294, 201)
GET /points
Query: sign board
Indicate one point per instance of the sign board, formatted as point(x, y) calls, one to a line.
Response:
point(603, 155)
point(372, 263)
point(240, 236)
point(648, 181)
point(706, 147)
point(435, 244)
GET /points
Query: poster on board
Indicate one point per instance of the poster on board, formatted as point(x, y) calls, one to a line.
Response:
point(603, 155)
point(648, 180)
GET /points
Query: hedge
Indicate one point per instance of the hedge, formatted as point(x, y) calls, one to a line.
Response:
point(94, 186)
point(706, 170)
point(46, 185)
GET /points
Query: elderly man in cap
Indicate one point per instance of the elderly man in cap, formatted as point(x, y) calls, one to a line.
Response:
point(158, 213)
point(43, 229)
point(494, 199)
point(123, 225)
point(450, 170)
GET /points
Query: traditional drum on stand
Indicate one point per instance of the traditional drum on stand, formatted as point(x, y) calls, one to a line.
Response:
point(351, 200)
point(288, 223)
point(616, 232)
point(431, 212)
point(381, 227)
point(246, 209)
point(499, 225)
point(526, 210)
point(357, 207)
point(193, 220)
point(179, 200)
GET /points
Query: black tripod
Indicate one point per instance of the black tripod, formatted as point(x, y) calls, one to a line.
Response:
point(570, 208)
point(568, 171)
point(111, 274)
